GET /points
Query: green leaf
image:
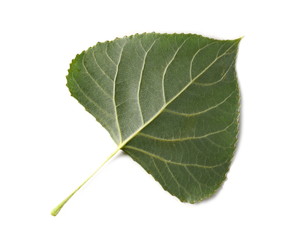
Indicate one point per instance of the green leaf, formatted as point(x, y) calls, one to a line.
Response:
point(170, 101)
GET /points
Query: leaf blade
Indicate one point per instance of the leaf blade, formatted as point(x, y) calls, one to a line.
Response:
point(156, 77)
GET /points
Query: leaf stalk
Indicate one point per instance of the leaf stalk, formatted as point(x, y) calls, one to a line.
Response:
point(57, 209)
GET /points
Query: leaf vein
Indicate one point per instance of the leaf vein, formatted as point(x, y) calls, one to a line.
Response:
point(90, 99)
point(140, 79)
point(108, 56)
point(221, 79)
point(193, 58)
point(114, 94)
point(171, 162)
point(184, 138)
point(167, 66)
point(175, 180)
point(201, 112)
point(159, 172)
point(92, 78)
point(195, 179)
point(101, 69)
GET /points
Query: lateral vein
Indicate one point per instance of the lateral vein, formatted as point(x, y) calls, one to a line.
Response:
point(185, 138)
point(171, 162)
point(114, 94)
point(140, 79)
point(101, 69)
point(90, 99)
point(92, 78)
point(167, 66)
point(201, 112)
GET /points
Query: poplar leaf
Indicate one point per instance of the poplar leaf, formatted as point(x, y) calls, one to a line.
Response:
point(170, 101)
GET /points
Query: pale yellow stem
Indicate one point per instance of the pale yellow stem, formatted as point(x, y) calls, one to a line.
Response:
point(56, 210)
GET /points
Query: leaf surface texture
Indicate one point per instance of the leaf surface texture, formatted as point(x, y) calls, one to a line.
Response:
point(170, 101)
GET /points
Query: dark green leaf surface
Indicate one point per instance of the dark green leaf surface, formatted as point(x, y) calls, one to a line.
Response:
point(170, 101)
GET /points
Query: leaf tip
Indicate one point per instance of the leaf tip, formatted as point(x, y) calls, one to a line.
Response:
point(239, 39)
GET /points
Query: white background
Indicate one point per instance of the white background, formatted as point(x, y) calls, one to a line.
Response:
point(49, 144)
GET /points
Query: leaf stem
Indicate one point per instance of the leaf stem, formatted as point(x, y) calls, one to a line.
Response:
point(57, 209)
